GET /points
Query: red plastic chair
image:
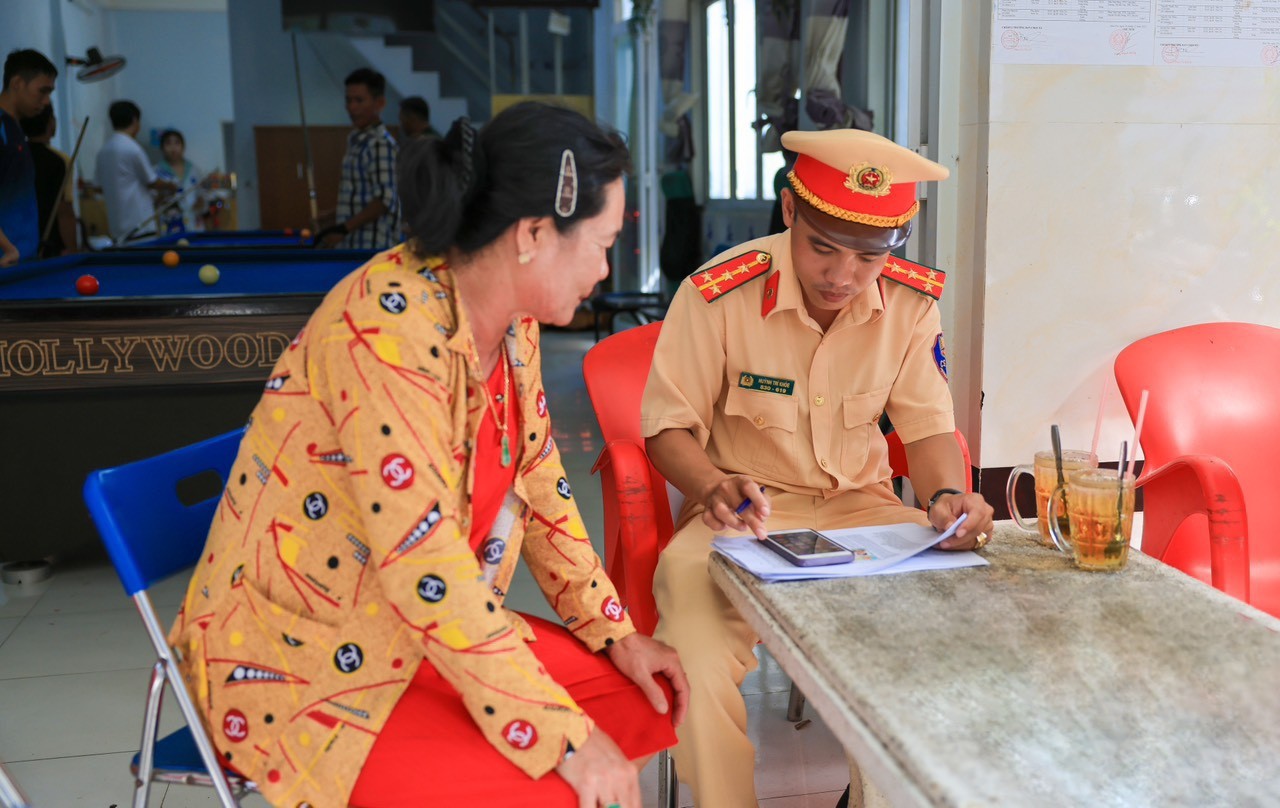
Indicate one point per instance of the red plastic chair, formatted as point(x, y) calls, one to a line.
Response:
point(637, 514)
point(1211, 448)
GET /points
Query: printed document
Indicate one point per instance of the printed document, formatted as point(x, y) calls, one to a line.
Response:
point(876, 550)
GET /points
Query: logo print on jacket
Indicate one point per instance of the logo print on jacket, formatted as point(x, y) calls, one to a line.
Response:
point(348, 658)
point(393, 302)
point(432, 589)
point(315, 506)
point(493, 550)
point(520, 734)
point(397, 471)
point(235, 726)
point(562, 488)
point(612, 609)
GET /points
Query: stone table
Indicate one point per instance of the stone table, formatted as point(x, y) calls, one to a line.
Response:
point(1030, 683)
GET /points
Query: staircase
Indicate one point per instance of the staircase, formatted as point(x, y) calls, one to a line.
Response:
point(395, 61)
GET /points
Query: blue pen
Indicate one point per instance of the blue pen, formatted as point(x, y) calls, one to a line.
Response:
point(746, 503)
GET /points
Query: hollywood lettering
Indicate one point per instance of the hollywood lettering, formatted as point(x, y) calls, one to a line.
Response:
point(153, 353)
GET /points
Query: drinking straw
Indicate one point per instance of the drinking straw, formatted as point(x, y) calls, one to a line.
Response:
point(1124, 456)
point(1137, 430)
point(1097, 425)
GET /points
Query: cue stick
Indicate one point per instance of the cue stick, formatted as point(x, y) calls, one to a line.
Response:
point(154, 219)
point(306, 138)
point(71, 171)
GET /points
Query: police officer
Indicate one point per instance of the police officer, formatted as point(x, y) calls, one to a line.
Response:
point(775, 363)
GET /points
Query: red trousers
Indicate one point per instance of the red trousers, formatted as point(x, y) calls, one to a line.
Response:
point(431, 753)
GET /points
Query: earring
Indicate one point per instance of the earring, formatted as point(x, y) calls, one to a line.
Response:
point(524, 258)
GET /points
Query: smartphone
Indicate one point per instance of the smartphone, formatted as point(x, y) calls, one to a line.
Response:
point(807, 548)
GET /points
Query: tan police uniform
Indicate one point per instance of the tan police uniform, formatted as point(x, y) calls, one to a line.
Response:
point(769, 394)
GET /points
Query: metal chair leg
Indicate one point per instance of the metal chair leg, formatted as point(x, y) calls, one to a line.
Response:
point(668, 785)
point(150, 728)
point(795, 705)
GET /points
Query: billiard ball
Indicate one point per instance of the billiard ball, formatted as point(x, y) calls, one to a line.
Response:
point(170, 258)
point(209, 274)
point(87, 285)
point(288, 231)
point(182, 242)
point(305, 232)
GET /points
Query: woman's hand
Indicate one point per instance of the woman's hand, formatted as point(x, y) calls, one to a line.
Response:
point(601, 774)
point(640, 658)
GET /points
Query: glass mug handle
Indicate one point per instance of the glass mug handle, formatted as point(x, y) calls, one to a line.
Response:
point(1062, 542)
point(1011, 500)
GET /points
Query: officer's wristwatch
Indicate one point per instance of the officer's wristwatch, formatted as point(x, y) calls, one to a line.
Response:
point(939, 494)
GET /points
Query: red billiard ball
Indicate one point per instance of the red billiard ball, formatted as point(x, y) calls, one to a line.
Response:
point(288, 231)
point(87, 285)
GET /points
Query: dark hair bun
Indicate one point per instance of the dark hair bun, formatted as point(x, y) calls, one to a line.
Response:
point(468, 188)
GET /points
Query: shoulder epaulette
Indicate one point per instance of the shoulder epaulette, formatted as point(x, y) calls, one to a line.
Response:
point(921, 278)
point(717, 281)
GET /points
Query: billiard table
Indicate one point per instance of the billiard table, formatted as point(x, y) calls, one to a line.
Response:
point(156, 360)
point(223, 239)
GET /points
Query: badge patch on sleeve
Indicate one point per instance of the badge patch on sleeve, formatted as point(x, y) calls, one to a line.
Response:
point(766, 384)
point(940, 356)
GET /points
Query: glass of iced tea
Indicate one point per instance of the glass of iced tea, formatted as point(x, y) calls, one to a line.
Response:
point(1100, 512)
point(1045, 472)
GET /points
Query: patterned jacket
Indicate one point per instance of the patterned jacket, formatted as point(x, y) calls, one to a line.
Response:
point(339, 554)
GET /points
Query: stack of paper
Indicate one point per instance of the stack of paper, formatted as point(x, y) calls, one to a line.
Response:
point(876, 550)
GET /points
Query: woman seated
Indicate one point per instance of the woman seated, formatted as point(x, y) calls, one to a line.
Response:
point(344, 633)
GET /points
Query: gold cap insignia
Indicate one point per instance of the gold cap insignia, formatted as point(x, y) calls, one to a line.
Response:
point(865, 178)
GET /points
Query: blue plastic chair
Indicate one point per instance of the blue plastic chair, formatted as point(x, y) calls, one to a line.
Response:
point(151, 534)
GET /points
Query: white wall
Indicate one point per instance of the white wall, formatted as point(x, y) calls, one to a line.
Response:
point(1108, 203)
point(179, 73)
point(57, 28)
point(263, 85)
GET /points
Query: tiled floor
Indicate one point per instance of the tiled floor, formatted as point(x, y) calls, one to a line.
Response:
point(75, 663)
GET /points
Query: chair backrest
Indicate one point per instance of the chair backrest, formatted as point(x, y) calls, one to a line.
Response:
point(148, 530)
point(616, 371)
point(1214, 390)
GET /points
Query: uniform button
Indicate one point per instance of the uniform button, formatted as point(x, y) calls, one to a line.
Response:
point(819, 400)
point(823, 463)
point(759, 421)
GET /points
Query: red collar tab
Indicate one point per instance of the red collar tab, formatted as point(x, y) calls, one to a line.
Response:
point(921, 278)
point(770, 299)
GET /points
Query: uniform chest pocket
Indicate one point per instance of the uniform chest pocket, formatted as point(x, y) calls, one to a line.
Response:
point(764, 430)
point(861, 416)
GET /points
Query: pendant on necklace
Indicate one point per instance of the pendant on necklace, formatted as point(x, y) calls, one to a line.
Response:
point(506, 451)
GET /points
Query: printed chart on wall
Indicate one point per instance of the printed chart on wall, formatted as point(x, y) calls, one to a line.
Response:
point(1203, 33)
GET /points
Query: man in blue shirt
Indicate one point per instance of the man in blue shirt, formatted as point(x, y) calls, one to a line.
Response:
point(28, 86)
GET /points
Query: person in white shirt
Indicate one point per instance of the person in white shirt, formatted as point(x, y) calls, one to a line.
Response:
point(126, 176)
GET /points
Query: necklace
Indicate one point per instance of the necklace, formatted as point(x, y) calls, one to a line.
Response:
point(501, 421)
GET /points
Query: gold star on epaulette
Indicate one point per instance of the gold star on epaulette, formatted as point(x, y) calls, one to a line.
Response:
point(717, 281)
point(925, 280)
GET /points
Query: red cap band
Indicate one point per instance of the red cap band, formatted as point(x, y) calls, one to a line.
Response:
point(828, 189)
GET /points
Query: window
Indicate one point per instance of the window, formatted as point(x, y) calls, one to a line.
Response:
point(735, 166)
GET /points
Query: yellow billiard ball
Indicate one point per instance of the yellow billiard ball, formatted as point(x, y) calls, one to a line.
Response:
point(209, 274)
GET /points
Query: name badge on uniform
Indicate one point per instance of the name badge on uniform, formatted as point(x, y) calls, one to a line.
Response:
point(766, 384)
